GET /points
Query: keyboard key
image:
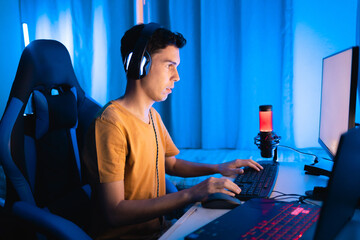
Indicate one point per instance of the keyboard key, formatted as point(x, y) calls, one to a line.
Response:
point(256, 184)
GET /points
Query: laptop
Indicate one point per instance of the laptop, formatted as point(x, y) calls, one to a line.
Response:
point(270, 219)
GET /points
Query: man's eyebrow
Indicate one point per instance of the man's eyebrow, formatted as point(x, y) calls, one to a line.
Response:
point(170, 61)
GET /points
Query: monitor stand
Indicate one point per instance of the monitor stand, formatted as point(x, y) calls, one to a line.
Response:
point(316, 171)
point(318, 193)
point(322, 168)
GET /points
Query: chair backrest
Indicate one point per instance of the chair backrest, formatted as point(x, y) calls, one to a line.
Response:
point(42, 129)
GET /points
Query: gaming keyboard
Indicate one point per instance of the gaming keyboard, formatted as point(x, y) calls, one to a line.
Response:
point(263, 221)
point(256, 184)
point(291, 222)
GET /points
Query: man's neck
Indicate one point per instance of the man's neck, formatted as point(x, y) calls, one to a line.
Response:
point(138, 106)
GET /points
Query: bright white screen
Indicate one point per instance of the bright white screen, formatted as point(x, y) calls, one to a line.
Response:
point(335, 98)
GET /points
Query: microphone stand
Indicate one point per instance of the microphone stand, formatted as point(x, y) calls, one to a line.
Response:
point(272, 143)
point(275, 158)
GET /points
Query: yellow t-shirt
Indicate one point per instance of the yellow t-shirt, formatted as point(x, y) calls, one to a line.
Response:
point(126, 150)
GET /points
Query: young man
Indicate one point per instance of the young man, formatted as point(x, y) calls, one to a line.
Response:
point(133, 149)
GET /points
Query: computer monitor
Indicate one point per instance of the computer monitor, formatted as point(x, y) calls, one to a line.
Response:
point(338, 97)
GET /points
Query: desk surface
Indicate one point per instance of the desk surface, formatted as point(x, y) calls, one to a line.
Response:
point(291, 180)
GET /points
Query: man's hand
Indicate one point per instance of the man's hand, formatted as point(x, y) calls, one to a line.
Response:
point(211, 185)
point(230, 169)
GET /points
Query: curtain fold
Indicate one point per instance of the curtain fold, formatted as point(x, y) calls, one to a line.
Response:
point(238, 56)
point(91, 31)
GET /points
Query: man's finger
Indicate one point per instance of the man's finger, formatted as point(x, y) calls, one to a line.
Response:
point(256, 166)
point(232, 186)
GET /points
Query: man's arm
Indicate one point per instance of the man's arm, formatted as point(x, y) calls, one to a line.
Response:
point(119, 211)
point(183, 168)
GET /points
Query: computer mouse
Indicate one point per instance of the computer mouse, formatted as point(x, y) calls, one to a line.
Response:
point(220, 201)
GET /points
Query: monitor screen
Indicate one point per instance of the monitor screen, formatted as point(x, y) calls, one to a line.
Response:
point(338, 97)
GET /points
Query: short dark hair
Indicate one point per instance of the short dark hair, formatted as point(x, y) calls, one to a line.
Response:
point(160, 39)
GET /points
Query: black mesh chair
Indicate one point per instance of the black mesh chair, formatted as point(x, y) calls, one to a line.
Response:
point(42, 129)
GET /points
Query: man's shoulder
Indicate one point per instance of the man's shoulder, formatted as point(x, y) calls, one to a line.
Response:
point(111, 112)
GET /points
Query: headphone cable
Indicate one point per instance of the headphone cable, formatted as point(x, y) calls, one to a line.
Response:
point(157, 156)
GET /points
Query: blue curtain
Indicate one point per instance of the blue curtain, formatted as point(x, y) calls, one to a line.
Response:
point(238, 56)
point(91, 30)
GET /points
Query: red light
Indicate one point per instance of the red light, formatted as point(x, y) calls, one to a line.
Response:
point(265, 116)
point(297, 211)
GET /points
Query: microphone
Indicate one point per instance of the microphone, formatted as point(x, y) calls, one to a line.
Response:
point(266, 140)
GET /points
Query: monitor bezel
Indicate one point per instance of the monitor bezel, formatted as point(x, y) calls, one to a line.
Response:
point(353, 92)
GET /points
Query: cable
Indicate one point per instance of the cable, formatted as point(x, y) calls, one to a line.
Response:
point(316, 160)
point(279, 192)
point(311, 154)
point(287, 196)
point(284, 196)
point(157, 156)
point(290, 195)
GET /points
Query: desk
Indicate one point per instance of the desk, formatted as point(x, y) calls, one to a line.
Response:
point(291, 179)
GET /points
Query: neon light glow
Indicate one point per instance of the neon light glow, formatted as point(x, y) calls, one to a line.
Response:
point(297, 211)
point(265, 121)
point(25, 34)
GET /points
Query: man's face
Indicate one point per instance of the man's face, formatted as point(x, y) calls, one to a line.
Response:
point(163, 74)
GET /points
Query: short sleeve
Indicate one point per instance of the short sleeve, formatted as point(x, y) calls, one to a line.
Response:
point(170, 147)
point(111, 151)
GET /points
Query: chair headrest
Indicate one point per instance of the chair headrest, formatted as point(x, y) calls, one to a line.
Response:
point(54, 112)
point(44, 63)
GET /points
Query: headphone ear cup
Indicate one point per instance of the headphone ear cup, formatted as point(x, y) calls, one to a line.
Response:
point(127, 61)
point(145, 65)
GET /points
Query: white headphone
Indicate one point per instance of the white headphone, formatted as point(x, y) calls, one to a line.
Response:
point(137, 63)
point(142, 64)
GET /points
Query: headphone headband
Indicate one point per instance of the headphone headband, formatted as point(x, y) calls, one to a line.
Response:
point(138, 61)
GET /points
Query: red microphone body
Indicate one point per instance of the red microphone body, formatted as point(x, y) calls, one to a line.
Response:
point(266, 140)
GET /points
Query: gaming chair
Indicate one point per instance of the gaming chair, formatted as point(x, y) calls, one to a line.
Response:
point(42, 129)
